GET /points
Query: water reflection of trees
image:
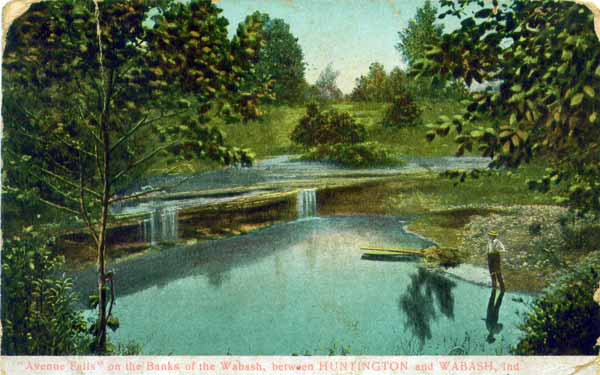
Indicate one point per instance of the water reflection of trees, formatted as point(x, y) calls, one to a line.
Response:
point(418, 302)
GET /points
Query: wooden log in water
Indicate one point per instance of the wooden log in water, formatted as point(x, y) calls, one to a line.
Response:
point(445, 256)
point(386, 256)
point(394, 251)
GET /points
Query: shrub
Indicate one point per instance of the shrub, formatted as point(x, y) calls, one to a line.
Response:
point(327, 128)
point(581, 236)
point(38, 314)
point(128, 348)
point(403, 112)
point(535, 229)
point(565, 320)
point(357, 155)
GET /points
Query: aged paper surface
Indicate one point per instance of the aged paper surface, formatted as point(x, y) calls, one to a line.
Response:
point(248, 364)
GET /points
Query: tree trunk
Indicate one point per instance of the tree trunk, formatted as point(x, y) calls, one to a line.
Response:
point(102, 243)
point(101, 336)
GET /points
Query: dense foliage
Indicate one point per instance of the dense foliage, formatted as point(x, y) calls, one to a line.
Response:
point(38, 313)
point(93, 91)
point(541, 62)
point(421, 33)
point(281, 59)
point(403, 112)
point(566, 319)
point(378, 86)
point(327, 128)
point(358, 155)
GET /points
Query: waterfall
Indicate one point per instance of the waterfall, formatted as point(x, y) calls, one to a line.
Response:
point(307, 203)
point(161, 226)
point(169, 224)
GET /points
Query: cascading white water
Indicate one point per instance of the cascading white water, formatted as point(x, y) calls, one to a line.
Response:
point(168, 220)
point(307, 203)
point(161, 226)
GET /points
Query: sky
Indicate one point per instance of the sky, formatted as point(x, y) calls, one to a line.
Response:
point(350, 34)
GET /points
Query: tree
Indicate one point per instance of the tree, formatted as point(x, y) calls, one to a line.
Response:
point(93, 91)
point(281, 59)
point(373, 86)
point(421, 32)
point(378, 86)
point(326, 84)
point(545, 61)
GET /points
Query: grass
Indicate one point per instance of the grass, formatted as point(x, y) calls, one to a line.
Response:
point(270, 135)
point(411, 141)
point(429, 193)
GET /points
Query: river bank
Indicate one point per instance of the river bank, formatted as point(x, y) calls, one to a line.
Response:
point(451, 216)
point(538, 241)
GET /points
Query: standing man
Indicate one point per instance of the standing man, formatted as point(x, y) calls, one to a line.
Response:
point(494, 261)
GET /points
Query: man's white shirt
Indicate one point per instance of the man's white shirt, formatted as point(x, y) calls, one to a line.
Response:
point(495, 245)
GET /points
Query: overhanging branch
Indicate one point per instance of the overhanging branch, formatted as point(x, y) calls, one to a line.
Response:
point(142, 160)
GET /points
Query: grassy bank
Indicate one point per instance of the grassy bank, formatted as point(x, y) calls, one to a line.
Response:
point(460, 216)
point(270, 135)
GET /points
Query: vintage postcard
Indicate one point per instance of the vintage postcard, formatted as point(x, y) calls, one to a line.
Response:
point(283, 186)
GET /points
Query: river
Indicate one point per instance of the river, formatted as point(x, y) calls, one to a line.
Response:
point(303, 287)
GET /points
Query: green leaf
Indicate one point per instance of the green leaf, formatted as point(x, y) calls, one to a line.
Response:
point(589, 91)
point(566, 55)
point(430, 135)
point(576, 100)
point(112, 323)
point(93, 301)
point(483, 13)
point(443, 130)
point(476, 133)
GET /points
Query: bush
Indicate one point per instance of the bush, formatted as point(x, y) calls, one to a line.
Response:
point(368, 154)
point(38, 314)
point(403, 112)
point(318, 128)
point(580, 233)
point(129, 348)
point(565, 320)
point(535, 229)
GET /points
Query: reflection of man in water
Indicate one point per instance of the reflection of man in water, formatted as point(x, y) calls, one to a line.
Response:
point(491, 319)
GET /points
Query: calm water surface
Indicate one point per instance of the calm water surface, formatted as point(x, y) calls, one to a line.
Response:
point(302, 286)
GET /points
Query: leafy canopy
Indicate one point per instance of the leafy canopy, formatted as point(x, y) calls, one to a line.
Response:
point(422, 32)
point(152, 87)
point(281, 59)
point(94, 91)
point(540, 61)
point(378, 86)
